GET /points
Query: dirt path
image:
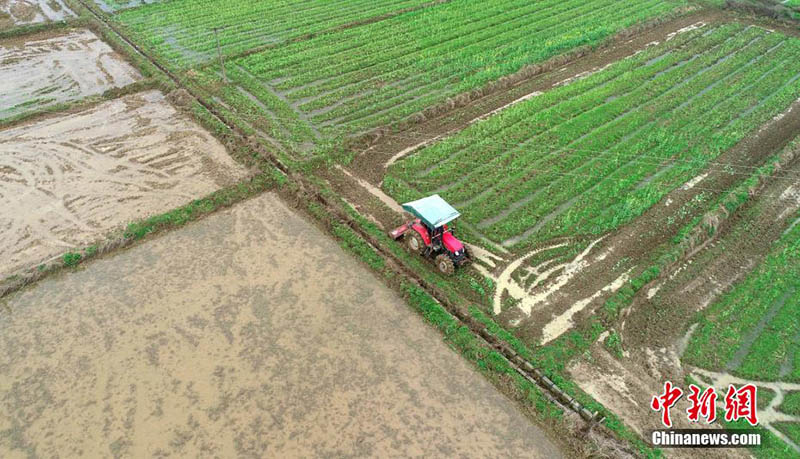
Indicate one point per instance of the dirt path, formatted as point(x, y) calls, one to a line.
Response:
point(248, 333)
point(67, 180)
point(38, 72)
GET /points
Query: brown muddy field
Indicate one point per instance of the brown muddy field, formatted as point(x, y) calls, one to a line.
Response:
point(21, 12)
point(39, 72)
point(248, 333)
point(67, 180)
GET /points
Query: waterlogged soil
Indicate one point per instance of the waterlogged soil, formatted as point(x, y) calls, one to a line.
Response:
point(249, 333)
point(67, 180)
point(21, 12)
point(39, 72)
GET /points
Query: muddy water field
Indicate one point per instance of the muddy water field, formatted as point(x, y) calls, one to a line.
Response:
point(65, 181)
point(38, 72)
point(22, 12)
point(256, 335)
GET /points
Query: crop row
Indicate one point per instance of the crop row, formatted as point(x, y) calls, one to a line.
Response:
point(584, 162)
point(181, 31)
point(356, 79)
point(766, 302)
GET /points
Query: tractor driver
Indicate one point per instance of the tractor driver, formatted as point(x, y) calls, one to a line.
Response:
point(436, 236)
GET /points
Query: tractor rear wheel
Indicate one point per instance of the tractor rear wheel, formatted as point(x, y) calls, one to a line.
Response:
point(414, 242)
point(445, 264)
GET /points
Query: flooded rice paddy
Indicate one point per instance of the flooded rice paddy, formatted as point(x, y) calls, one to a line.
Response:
point(23, 12)
point(40, 72)
point(248, 333)
point(67, 180)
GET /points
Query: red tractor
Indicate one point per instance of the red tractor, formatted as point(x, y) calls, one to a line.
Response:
point(429, 235)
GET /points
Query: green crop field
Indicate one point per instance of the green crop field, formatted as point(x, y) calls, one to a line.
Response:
point(585, 158)
point(181, 30)
point(353, 80)
point(754, 331)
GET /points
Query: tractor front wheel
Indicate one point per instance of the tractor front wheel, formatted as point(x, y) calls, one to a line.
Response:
point(414, 242)
point(445, 264)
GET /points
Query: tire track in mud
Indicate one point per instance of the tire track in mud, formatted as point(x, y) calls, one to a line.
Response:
point(67, 180)
point(47, 70)
point(637, 240)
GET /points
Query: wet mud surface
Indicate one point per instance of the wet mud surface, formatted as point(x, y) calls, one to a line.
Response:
point(249, 333)
point(67, 180)
point(43, 71)
point(21, 12)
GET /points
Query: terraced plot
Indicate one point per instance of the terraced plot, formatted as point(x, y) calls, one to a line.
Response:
point(181, 30)
point(21, 12)
point(42, 72)
point(354, 80)
point(587, 157)
point(66, 181)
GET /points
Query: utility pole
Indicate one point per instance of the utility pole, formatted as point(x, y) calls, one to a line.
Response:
point(219, 52)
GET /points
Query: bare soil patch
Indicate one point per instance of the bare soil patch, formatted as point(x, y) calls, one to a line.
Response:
point(67, 180)
point(45, 70)
point(249, 333)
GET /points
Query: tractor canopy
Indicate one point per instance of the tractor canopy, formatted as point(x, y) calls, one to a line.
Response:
point(433, 211)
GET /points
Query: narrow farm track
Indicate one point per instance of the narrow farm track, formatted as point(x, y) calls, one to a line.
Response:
point(308, 193)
